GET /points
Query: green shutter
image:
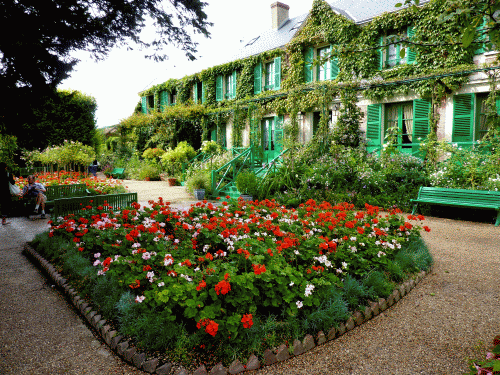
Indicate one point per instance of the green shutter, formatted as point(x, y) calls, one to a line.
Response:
point(218, 88)
point(163, 100)
point(480, 37)
point(195, 94)
point(144, 104)
point(277, 73)
point(463, 118)
point(233, 86)
point(257, 79)
point(203, 97)
point(278, 134)
point(381, 51)
point(421, 110)
point(411, 54)
point(213, 135)
point(497, 102)
point(308, 70)
point(373, 126)
point(334, 67)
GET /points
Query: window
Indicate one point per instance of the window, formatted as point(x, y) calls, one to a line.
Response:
point(198, 93)
point(399, 117)
point(409, 119)
point(147, 104)
point(268, 76)
point(392, 47)
point(469, 117)
point(173, 97)
point(225, 87)
point(269, 81)
point(326, 68)
point(231, 86)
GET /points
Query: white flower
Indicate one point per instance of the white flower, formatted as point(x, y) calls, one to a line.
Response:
point(137, 244)
point(344, 265)
point(150, 275)
point(380, 253)
point(139, 299)
point(146, 256)
point(160, 284)
point(97, 255)
point(299, 304)
point(291, 284)
point(309, 290)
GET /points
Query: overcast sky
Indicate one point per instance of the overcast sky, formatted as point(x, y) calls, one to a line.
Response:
point(116, 81)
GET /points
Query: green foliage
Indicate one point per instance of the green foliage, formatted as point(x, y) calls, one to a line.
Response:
point(8, 147)
point(378, 283)
point(150, 172)
point(246, 183)
point(172, 159)
point(65, 156)
point(199, 179)
point(354, 292)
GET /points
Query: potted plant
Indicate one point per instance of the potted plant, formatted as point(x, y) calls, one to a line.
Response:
point(246, 183)
point(199, 183)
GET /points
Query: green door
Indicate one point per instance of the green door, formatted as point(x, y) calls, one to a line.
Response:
point(272, 137)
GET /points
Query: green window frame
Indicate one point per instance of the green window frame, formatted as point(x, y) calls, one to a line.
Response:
point(144, 105)
point(411, 118)
point(230, 86)
point(389, 56)
point(269, 77)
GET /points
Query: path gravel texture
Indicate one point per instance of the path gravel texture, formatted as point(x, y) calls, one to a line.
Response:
point(421, 334)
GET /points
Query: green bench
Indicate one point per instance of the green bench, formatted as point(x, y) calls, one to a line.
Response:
point(118, 173)
point(65, 191)
point(65, 206)
point(459, 197)
point(54, 192)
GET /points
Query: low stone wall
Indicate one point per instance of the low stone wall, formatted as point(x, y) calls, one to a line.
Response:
point(122, 347)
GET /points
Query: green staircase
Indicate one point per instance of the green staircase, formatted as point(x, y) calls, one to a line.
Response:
point(224, 178)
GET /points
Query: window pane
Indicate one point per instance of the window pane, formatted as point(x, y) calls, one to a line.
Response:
point(407, 125)
point(269, 76)
point(324, 69)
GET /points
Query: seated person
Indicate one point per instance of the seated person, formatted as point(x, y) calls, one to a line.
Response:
point(35, 190)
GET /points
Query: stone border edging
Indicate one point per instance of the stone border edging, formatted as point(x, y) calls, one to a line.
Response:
point(120, 346)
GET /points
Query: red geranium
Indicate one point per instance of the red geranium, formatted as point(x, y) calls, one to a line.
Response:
point(222, 287)
point(247, 320)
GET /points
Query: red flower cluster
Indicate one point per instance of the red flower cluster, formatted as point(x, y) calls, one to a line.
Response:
point(222, 287)
point(247, 321)
point(135, 285)
point(210, 326)
point(258, 268)
point(201, 285)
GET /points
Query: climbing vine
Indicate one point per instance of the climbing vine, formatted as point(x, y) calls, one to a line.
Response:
point(436, 73)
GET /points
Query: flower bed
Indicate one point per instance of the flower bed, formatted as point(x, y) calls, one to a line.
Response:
point(236, 279)
point(95, 185)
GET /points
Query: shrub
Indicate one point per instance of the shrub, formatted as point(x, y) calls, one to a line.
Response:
point(246, 183)
point(199, 180)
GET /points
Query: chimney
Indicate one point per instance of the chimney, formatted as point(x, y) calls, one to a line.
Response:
point(279, 13)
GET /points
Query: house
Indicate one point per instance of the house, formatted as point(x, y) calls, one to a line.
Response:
point(408, 79)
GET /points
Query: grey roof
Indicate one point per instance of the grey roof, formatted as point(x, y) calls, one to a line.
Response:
point(271, 39)
point(359, 11)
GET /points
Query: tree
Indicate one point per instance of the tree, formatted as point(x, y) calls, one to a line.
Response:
point(39, 35)
point(70, 115)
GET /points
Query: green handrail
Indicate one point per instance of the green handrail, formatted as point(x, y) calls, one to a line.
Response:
point(271, 165)
point(219, 176)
